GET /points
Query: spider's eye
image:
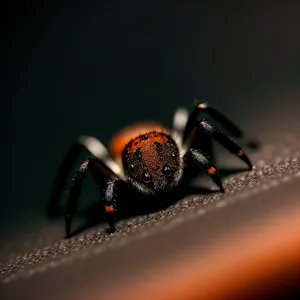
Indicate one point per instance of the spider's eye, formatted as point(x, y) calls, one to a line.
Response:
point(146, 178)
point(167, 171)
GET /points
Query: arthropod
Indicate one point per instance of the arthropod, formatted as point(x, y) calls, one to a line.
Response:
point(151, 159)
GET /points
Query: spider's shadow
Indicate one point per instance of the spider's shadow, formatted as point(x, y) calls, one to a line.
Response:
point(138, 205)
point(94, 214)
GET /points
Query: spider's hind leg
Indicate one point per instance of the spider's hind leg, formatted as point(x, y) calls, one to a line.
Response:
point(93, 146)
point(202, 107)
point(100, 173)
point(226, 142)
point(198, 136)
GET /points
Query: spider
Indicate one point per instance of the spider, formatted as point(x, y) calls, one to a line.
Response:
point(150, 159)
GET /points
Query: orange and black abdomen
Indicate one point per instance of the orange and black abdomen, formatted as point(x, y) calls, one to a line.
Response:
point(134, 135)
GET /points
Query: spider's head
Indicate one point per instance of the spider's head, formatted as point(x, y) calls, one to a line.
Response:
point(152, 163)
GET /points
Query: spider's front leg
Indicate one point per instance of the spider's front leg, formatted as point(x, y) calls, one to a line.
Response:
point(195, 157)
point(114, 189)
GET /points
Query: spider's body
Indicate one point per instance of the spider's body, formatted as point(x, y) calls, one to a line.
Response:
point(150, 159)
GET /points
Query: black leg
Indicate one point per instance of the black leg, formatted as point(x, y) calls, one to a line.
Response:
point(112, 192)
point(226, 142)
point(59, 182)
point(233, 129)
point(197, 158)
point(90, 144)
point(200, 140)
point(99, 171)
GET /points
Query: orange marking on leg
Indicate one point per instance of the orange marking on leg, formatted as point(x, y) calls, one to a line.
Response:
point(211, 170)
point(109, 208)
point(240, 153)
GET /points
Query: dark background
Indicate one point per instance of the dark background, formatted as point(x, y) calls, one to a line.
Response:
point(90, 67)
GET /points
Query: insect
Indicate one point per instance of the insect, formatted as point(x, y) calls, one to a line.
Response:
point(150, 159)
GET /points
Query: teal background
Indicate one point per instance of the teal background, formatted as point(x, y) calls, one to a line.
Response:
point(92, 67)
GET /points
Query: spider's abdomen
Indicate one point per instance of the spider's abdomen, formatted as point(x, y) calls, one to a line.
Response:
point(134, 137)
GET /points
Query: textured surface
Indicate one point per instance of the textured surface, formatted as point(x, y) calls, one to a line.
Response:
point(141, 243)
point(94, 263)
point(267, 173)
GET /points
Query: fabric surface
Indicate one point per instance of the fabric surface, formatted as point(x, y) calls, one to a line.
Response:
point(274, 167)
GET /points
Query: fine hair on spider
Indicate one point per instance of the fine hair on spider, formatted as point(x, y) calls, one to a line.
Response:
point(148, 158)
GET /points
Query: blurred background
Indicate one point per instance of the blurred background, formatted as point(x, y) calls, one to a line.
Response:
point(91, 67)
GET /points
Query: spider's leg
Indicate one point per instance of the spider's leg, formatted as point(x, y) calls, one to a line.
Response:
point(96, 148)
point(226, 142)
point(233, 129)
point(92, 145)
point(179, 123)
point(99, 171)
point(59, 181)
point(198, 139)
point(195, 157)
point(112, 192)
